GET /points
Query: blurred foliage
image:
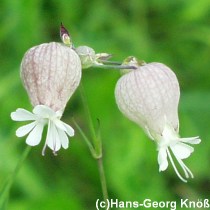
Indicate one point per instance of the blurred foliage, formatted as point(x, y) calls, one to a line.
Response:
point(175, 32)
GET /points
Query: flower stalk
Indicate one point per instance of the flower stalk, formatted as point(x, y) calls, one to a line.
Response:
point(96, 141)
point(89, 59)
point(95, 146)
point(102, 179)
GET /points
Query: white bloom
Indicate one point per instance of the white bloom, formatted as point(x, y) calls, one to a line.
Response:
point(42, 115)
point(51, 72)
point(149, 96)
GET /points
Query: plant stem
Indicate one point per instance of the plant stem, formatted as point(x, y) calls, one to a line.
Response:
point(95, 146)
point(87, 141)
point(4, 194)
point(102, 179)
point(96, 143)
point(110, 62)
point(118, 67)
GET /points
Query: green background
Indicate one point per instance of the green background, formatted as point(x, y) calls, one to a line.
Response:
point(176, 33)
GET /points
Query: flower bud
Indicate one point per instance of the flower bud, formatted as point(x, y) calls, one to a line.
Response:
point(149, 96)
point(51, 72)
point(65, 37)
point(87, 56)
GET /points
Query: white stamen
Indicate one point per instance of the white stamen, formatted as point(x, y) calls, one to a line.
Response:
point(185, 168)
point(44, 148)
point(174, 166)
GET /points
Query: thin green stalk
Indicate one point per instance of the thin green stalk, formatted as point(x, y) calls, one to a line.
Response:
point(102, 179)
point(87, 141)
point(96, 142)
point(118, 67)
point(4, 194)
point(110, 62)
point(96, 146)
point(98, 158)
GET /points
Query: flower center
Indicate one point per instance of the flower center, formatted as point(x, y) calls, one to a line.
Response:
point(171, 146)
point(168, 138)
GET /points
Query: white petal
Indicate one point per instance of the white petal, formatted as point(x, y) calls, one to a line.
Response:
point(49, 139)
point(35, 135)
point(182, 150)
point(43, 111)
point(69, 129)
point(58, 123)
point(22, 115)
point(23, 130)
point(63, 138)
point(191, 140)
point(65, 127)
point(53, 140)
point(162, 159)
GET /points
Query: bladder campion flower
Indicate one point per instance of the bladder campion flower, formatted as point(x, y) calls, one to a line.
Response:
point(149, 96)
point(50, 72)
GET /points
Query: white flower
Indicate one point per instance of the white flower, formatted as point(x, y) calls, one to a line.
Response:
point(42, 115)
point(180, 148)
point(149, 96)
point(51, 72)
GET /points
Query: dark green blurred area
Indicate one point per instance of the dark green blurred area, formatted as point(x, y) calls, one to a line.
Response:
point(176, 33)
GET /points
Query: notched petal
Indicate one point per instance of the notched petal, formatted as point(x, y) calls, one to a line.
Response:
point(22, 115)
point(23, 130)
point(53, 140)
point(191, 140)
point(35, 135)
point(181, 150)
point(69, 129)
point(43, 111)
point(58, 123)
point(63, 138)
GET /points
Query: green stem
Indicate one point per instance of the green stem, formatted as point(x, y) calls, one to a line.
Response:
point(102, 179)
point(109, 62)
point(120, 67)
point(4, 194)
point(99, 161)
point(96, 140)
point(96, 147)
point(87, 141)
